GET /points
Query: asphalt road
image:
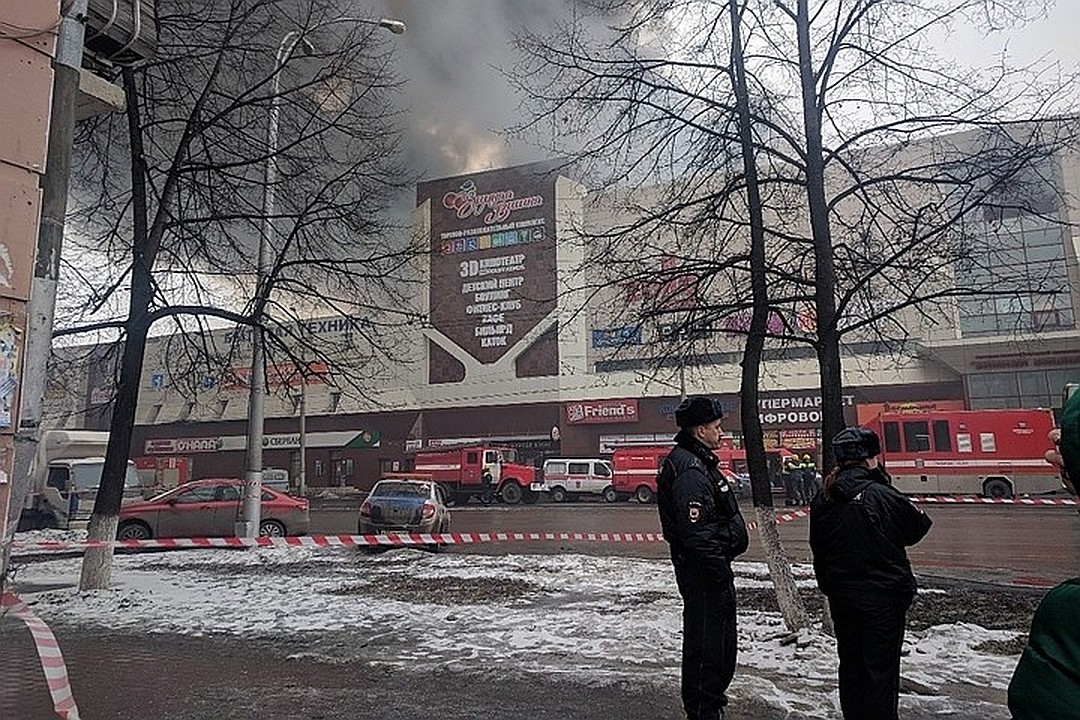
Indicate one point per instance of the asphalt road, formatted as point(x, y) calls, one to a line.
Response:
point(1000, 544)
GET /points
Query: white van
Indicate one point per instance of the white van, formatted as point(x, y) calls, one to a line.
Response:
point(567, 478)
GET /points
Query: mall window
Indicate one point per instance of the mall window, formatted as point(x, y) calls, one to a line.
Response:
point(1020, 389)
point(1021, 276)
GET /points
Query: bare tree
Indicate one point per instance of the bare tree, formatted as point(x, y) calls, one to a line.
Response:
point(180, 189)
point(792, 177)
point(902, 157)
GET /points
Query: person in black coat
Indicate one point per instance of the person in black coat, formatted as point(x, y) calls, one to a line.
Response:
point(702, 524)
point(860, 526)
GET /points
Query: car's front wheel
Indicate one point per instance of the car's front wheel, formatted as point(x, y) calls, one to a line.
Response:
point(133, 530)
point(557, 494)
point(610, 495)
point(271, 528)
point(644, 494)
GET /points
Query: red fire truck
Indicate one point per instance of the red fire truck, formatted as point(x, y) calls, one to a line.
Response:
point(458, 471)
point(635, 468)
point(996, 453)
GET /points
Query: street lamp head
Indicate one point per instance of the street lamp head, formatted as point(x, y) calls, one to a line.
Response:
point(395, 26)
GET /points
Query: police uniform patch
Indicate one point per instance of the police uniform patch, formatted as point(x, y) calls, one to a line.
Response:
point(694, 511)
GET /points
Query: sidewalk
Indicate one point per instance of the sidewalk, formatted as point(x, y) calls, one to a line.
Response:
point(176, 677)
point(171, 677)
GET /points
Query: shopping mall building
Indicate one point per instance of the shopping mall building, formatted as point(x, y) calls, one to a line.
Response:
point(516, 353)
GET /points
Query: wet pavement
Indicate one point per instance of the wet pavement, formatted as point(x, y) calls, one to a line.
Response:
point(170, 677)
point(1007, 545)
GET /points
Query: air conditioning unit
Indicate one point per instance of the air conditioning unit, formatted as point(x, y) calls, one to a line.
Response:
point(121, 31)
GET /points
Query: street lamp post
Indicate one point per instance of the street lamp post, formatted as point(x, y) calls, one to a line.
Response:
point(248, 525)
point(302, 479)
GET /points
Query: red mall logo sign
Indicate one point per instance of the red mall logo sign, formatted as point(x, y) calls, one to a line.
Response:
point(595, 412)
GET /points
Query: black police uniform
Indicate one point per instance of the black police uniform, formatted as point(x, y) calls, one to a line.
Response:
point(700, 517)
point(859, 529)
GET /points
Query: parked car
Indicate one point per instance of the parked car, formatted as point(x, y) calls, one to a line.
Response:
point(404, 505)
point(210, 508)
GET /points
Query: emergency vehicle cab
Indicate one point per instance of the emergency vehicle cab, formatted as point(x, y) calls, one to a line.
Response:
point(459, 471)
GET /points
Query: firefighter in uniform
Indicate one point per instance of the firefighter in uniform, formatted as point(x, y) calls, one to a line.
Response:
point(809, 486)
point(486, 484)
point(792, 480)
point(700, 517)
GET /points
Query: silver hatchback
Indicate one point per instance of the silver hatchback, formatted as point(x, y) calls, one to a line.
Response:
point(404, 505)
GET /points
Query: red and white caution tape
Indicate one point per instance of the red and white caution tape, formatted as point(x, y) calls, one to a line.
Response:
point(48, 650)
point(391, 538)
point(782, 517)
point(976, 500)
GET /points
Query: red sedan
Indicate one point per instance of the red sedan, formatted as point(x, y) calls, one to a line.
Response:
point(209, 508)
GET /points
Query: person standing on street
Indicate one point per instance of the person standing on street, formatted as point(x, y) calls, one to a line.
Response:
point(1046, 682)
point(792, 480)
point(860, 526)
point(486, 484)
point(809, 486)
point(702, 524)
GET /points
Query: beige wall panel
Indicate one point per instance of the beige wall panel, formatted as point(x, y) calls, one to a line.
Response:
point(26, 79)
point(20, 209)
point(33, 14)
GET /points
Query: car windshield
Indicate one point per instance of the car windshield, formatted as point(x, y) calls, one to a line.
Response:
point(399, 489)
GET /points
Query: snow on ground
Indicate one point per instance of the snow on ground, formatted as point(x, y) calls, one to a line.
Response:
point(595, 618)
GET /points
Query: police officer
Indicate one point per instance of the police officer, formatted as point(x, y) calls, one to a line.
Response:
point(860, 526)
point(702, 524)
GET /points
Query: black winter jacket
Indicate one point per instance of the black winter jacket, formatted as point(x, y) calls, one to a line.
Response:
point(699, 512)
point(858, 534)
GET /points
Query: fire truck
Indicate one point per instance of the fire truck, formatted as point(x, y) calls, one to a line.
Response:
point(458, 470)
point(995, 453)
point(635, 468)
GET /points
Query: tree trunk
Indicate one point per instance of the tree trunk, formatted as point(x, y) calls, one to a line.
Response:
point(97, 563)
point(828, 345)
point(787, 596)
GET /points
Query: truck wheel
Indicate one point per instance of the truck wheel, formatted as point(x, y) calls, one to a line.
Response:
point(557, 494)
point(133, 530)
point(610, 495)
point(997, 488)
point(643, 494)
point(511, 493)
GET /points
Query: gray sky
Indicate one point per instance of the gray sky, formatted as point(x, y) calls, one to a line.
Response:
point(457, 101)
